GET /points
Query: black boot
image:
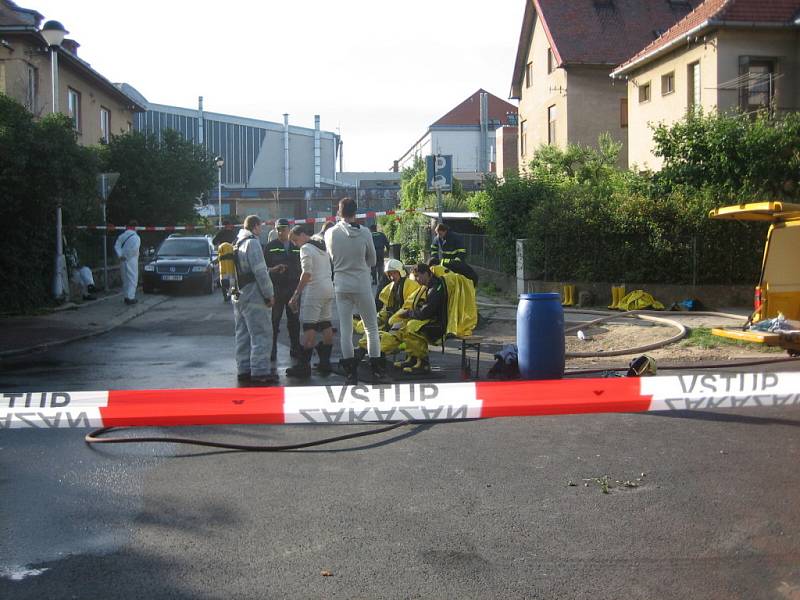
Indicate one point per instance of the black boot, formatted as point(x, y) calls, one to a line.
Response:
point(359, 354)
point(274, 354)
point(378, 367)
point(302, 370)
point(324, 353)
point(350, 368)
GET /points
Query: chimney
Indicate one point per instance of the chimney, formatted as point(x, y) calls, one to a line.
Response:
point(317, 156)
point(200, 120)
point(286, 150)
point(396, 166)
point(70, 46)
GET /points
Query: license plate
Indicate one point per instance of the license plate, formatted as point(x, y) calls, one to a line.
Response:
point(172, 278)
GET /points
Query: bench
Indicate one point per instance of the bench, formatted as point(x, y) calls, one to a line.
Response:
point(472, 342)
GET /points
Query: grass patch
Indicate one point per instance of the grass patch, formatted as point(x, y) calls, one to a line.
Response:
point(703, 338)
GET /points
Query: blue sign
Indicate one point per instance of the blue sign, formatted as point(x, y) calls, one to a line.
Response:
point(439, 172)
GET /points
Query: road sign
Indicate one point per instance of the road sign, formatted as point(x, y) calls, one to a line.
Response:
point(106, 183)
point(439, 172)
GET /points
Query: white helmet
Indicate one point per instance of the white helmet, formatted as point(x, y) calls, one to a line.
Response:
point(394, 265)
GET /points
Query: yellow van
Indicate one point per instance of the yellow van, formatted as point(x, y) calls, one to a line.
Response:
point(778, 289)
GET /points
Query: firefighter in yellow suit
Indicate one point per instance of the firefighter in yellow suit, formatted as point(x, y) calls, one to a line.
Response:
point(444, 306)
point(395, 297)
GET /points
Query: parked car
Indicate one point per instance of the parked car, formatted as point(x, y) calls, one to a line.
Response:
point(181, 262)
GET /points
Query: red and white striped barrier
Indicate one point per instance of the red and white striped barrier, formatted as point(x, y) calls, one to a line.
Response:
point(292, 221)
point(339, 405)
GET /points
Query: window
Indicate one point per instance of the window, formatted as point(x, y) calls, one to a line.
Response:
point(551, 61)
point(32, 89)
point(693, 72)
point(130, 126)
point(644, 92)
point(668, 83)
point(523, 138)
point(623, 112)
point(105, 124)
point(757, 88)
point(529, 75)
point(552, 115)
point(74, 108)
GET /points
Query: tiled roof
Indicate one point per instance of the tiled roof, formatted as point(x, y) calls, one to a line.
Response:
point(468, 112)
point(723, 11)
point(595, 32)
point(12, 15)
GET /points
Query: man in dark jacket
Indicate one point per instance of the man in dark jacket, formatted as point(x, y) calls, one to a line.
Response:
point(283, 262)
point(381, 243)
point(427, 322)
point(448, 249)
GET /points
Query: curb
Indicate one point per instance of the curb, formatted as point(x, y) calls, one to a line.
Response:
point(137, 312)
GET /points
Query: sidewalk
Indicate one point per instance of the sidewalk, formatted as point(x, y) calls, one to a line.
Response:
point(69, 323)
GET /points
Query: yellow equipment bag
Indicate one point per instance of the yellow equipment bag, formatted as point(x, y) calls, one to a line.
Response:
point(227, 266)
point(639, 300)
point(462, 309)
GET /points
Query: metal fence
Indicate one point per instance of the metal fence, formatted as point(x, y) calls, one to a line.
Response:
point(480, 253)
point(622, 257)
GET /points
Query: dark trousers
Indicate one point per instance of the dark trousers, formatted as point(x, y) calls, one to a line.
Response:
point(292, 321)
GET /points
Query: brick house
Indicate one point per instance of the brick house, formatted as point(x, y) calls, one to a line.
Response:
point(565, 53)
point(724, 55)
point(96, 106)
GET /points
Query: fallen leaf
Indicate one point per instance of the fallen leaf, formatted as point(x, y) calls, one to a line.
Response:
point(326, 574)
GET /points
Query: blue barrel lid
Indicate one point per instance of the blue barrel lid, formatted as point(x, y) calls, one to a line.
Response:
point(541, 296)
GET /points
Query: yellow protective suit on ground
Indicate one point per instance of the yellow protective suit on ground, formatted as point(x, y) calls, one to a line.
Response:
point(639, 300)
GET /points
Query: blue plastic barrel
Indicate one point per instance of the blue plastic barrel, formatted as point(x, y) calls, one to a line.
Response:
point(540, 336)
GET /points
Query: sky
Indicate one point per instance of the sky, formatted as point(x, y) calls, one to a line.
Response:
point(378, 72)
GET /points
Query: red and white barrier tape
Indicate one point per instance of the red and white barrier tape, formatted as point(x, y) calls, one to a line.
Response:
point(339, 405)
point(292, 221)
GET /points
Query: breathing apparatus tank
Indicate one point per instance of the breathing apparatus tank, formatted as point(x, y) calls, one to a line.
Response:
point(227, 267)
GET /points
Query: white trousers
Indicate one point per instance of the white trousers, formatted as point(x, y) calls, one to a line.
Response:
point(129, 270)
point(363, 303)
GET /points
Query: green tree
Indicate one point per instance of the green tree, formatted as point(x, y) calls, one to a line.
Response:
point(413, 230)
point(159, 178)
point(41, 165)
point(738, 156)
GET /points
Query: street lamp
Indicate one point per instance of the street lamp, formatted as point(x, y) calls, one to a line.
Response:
point(220, 162)
point(53, 33)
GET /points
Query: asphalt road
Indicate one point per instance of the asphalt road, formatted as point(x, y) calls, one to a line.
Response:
point(481, 509)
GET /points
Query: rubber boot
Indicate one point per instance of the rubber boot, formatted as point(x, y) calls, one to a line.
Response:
point(614, 297)
point(359, 354)
point(350, 368)
point(422, 365)
point(324, 353)
point(273, 356)
point(378, 367)
point(302, 370)
point(408, 362)
point(621, 296)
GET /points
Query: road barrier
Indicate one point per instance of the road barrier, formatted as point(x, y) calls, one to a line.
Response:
point(340, 405)
point(292, 221)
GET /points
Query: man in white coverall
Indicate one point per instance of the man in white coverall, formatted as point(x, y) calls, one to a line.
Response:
point(252, 308)
point(127, 249)
point(352, 251)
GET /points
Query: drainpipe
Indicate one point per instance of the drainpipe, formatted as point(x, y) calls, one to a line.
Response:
point(200, 120)
point(317, 157)
point(286, 150)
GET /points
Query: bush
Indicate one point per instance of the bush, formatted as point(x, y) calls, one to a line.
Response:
point(41, 165)
point(585, 219)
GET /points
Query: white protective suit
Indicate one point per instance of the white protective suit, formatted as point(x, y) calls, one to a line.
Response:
point(127, 249)
point(252, 315)
point(352, 251)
